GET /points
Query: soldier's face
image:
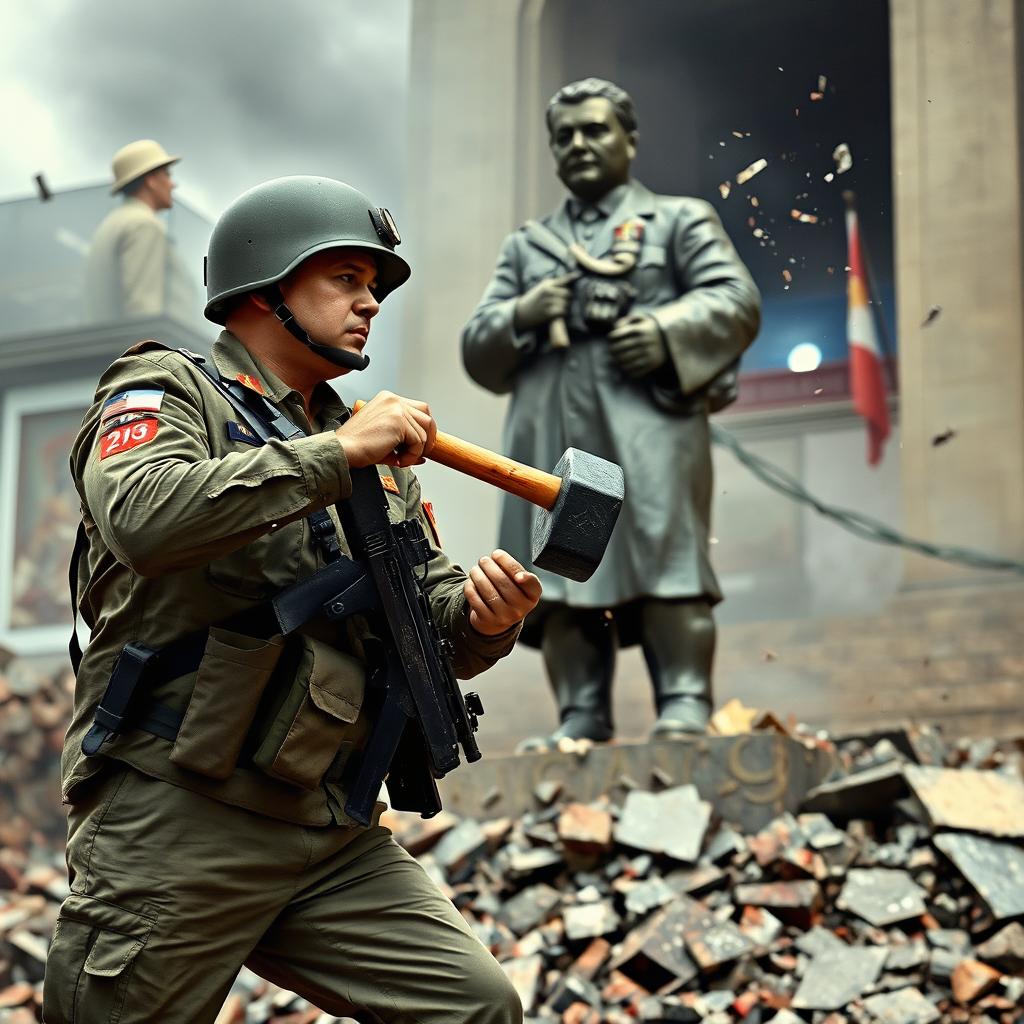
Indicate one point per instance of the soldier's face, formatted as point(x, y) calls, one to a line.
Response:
point(331, 295)
point(592, 151)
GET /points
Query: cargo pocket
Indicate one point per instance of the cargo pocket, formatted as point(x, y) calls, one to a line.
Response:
point(317, 716)
point(232, 677)
point(91, 959)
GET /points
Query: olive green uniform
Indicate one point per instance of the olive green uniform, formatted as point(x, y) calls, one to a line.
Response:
point(229, 844)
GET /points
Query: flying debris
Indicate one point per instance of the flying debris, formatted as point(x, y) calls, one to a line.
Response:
point(724, 189)
point(843, 158)
point(804, 218)
point(931, 316)
point(748, 172)
point(940, 439)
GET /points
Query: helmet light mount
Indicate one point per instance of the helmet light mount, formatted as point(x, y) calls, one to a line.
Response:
point(385, 226)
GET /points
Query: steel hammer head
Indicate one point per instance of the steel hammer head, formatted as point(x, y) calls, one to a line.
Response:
point(570, 540)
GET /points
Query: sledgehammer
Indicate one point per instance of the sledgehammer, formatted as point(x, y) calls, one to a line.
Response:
point(578, 503)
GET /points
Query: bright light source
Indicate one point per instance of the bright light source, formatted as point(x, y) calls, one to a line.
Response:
point(804, 357)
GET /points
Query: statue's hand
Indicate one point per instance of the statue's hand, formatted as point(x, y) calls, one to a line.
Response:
point(544, 302)
point(637, 345)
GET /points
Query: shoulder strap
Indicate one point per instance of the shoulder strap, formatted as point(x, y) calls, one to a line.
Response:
point(74, 647)
point(267, 421)
point(261, 416)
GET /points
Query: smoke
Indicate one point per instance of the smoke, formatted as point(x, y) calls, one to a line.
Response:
point(243, 91)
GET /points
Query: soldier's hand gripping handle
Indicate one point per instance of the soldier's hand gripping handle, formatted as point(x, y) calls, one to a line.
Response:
point(390, 431)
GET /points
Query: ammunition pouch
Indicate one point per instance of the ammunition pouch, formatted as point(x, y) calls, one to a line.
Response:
point(231, 679)
point(314, 728)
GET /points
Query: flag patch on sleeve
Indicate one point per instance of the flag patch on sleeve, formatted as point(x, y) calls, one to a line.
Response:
point(145, 400)
point(131, 435)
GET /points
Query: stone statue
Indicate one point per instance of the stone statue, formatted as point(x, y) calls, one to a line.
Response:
point(616, 324)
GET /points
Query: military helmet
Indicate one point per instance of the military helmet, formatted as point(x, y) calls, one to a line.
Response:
point(269, 230)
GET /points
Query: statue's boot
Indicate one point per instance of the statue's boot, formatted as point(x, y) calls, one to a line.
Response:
point(578, 647)
point(678, 639)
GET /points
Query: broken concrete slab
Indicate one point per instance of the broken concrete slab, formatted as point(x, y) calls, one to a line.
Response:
point(882, 896)
point(655, 954)
point(590, 920)
point(672, 822)
point(1005, 949)
point(530, 908)
point(803, 895)
point(906, 1006)
point(524, 974)
point(837, 977)
point(709, 941)
point(994, 869)
point(460, 848)
point(858, 794)
point(969, 800)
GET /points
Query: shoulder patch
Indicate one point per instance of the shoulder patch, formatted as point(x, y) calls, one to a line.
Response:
point(389, 484)
point(131, 435)
point(141, 400)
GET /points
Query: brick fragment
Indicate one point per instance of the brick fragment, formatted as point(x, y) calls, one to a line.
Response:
point(971, 979)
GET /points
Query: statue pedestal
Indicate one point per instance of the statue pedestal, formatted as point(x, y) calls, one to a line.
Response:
point(749, 779)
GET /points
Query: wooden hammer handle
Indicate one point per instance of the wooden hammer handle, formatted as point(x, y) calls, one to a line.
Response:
point(535, 486)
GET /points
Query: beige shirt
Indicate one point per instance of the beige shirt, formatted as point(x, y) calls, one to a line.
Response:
point(133, 269)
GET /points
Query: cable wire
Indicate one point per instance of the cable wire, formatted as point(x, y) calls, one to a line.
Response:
point(856, 522)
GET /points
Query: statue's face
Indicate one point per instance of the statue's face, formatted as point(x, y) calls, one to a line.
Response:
point(592, 151)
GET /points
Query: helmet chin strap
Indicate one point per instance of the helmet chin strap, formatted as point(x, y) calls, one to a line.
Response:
point(339, 356)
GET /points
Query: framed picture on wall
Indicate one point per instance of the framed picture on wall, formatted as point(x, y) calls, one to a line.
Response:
point(39, 514)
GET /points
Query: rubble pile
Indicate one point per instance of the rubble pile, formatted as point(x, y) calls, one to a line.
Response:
point(35, 708)
point(895, 894)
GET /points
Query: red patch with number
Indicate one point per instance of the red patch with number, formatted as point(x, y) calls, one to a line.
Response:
point(389, 484)
point(124, 438)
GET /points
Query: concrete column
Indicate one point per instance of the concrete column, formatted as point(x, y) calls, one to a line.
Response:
point(471, 176)
point(957, 191)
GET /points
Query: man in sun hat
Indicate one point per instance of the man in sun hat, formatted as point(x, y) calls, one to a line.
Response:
point(132, 269)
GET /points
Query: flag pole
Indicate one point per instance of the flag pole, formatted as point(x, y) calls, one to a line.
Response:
point(850, 197)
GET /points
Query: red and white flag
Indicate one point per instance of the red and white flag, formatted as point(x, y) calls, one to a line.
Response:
point(867, 379)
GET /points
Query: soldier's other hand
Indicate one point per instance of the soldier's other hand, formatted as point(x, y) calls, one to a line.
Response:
point(637, 345)
point(389, 430)
point(544, 302)
point(500, 593)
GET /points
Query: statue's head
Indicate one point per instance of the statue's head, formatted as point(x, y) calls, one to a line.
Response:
point(592, 133)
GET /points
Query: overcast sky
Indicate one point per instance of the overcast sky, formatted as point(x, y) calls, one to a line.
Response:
point(244, 90)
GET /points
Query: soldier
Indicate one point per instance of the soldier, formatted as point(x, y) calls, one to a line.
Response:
point(209, 830)
point(132, 268)
point(658, 309)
